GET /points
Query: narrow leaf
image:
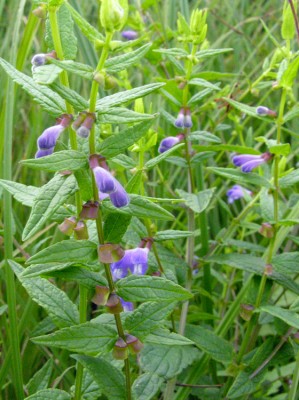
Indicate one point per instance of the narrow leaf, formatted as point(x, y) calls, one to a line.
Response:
point(156, 160)
point(124, 61)
point(50, 394)
point(121, 115)
point(241, 177)
point(171, 235)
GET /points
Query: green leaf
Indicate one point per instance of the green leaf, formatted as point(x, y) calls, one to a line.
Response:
point(211, 52)
point(50, 197)
point(174, 51)
point(83, 178)
point(241, 177)
point(128, 95)
point(267, 205)
point(254, 265)
point(88, 30)
point(150, 288)
point(156, 160)
point(124, 61)
point(203, 83)
point(142, 207)
point(116, 144)
point(171, 235)
point(70, 160)
point(71, 96)
point(66, 32)
point(22, 193)
point(146, 386)
point(197, 202)
point(45, 97)
point(286, 181)
point(135, 182)
point(50, 394)
point(163, 336)
point(45, 74)
point(41, 378)
point(227, 147)
point(41, 269)
point(167, 361)
point(244, 108)
point(288, 23)
point(67, 251)
point(83, 70)
point(199, 96)
point(60, 308)
point(81, 275)
point(115, 227)
point(204, 136)
point(88, 338)
point(288, 316)
point(216, 347)
point(286, 263)
point(121, 115)
point(109, 379)
point(148, 317)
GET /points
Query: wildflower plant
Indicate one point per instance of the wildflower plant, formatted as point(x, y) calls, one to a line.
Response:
point(138, 273)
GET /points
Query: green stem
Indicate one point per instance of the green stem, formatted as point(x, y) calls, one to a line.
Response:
point(293, 391)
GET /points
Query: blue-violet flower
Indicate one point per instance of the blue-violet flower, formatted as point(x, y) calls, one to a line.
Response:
point(262, 111)
point(134, 261)
point(248, 162)
point(129, 35)
point(237, 192)
point(169, 142)
point(183, 119)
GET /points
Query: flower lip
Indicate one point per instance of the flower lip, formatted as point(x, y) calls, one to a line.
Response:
point(134, 261)
point(106, 183)
point(44, 152)
point(48, 138)
point(168, 143)
point(119, 198)
point(236, 193)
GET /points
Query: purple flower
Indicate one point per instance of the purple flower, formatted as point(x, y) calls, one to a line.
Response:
point(127, 305)
point(236, 192)
point(120, 197)
point(129, 35)
point(168, 143)
point(38, 60)
point(44, 152)
point(184, 119)
point(188, 120)
point(48, 138)
point(134, 261)
point(106, 183)
point(248, 162)
point(262, 111)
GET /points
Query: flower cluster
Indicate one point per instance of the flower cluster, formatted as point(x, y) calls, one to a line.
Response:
point(183, 119)
point(248, 162)
point(107, 184)
point(47, 140)
point(236, 193)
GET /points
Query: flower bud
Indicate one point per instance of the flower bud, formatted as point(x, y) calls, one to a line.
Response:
point(90, 210)
point(101, 295)
point(120, 350)
point(134, 344)
point(110, 82)
point(246, 311)
point(41, 11)
point(85, 128)
point(99, 77)
point(267, 230)
point(268, 269)
point(110, 253)
point(80, 231)
point(113, 14)
point(129, 35)
point(68, 225)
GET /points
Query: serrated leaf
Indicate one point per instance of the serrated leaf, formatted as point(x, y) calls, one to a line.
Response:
point(115, 227)
point(197, 202)
point(81, 275)
point(288, 316)
point(167, 361)
point(116, 144)
point(40, 269)
point(60, 161)
point(267, 205)
point(215, 346)
point(147, 317)
point(150, 288)
point(288, 180)
point(66, 32)
point(45, 74)
point(88, 338)
point(204, 136)
point(241, 177)
point(44, 96)
point(164, 337)
point(67, 251)
point(287, 263)
point(203, 83)
point(71, 96)
point(124, 61)
point(174, 51)
point(50, 394)
point(171, 235)
point(50, 197)
point(41, 378)
point(128, 95)
point(142, 207)
point(121, 115)
point(135, 182)
point(88, 30)
point(22, 193)
point(83, 70)
point(109, 379)
point(83, 178)
point(211, 52)
point(60, 308)
point(156, 160)
point(146, 386)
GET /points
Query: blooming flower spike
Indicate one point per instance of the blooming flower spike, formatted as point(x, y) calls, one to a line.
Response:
point(248, 162)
